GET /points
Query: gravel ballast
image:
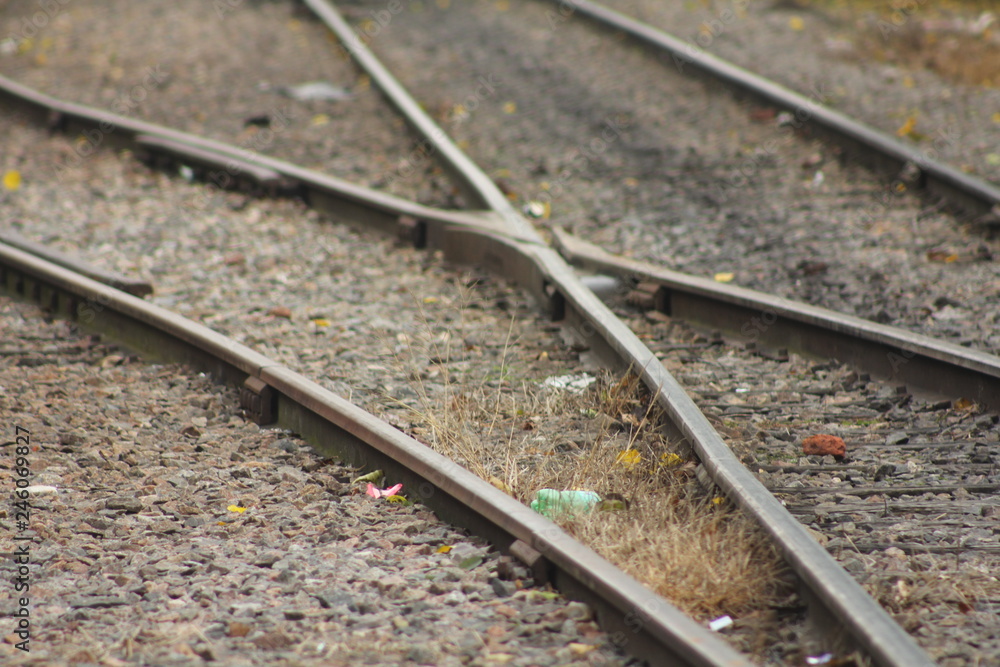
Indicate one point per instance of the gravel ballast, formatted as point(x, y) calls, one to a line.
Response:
point(176, 532)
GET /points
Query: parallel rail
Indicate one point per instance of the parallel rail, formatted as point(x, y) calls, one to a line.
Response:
point(908, 166)
point(500, 240)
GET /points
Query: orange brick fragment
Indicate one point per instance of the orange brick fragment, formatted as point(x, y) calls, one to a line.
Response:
point(823, 445)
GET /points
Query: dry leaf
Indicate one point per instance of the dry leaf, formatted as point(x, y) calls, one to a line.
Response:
point(629, 458)
point(942, 256)
point(12, 180)
point(907, 128)
point(281, 311)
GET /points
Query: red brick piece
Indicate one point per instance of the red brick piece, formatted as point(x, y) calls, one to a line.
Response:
point(823, 445)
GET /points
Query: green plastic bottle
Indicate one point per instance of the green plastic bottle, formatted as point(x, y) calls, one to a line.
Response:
point(550, 502)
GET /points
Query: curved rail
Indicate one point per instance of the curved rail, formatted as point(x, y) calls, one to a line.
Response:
point(972, 195)
point(920, 362)
point(646, 624)
point(639, 621)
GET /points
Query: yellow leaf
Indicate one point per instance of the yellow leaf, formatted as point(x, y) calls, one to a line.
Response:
point(12, 180)
point(906, 128)
point(908, 81)
point(718, 500)
point(236, 508)
point(963, 404)
point(995, 117)
point(795, 23)
point(320, 322)
point(671, 459)
point(398, 499)
point(443, 549)
point(319, 119)
point(374, 477)
point(724, 277)
point(509, 107)
point(430, 299)
point(500, 484)
point(629, 458)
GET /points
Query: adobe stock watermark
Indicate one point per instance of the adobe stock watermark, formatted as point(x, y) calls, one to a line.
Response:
point(372, 26)
point(123, 105)
point(426, 148)
point(902, 11)
point(886, 198)
point(28, 26)
point(248, 153)
point(790, 122)
point(583, 155)
point(710, 31)
point(564, 10)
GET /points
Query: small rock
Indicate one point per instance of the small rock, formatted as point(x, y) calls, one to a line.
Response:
point(824, 445)
point(897, 438)
point(454, 598)
point(501, 588)
point(268, 558)
point(273, 641)
point(124, 503)
point(422, 655)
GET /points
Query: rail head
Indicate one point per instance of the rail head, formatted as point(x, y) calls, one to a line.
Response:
point(639, 621)
point(978, 198)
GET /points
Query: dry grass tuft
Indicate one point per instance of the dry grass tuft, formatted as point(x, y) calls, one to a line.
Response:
point(694, 549)
point(952, 39)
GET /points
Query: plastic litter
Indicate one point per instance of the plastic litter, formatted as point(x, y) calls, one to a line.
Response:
point(40, 489)
point(551, 503)
point(575, 384)
point(376, 492)
point(604, 287)
point(311, 91)
point(721, 623)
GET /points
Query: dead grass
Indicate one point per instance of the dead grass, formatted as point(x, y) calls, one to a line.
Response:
point(694, 549)
point(948, 38)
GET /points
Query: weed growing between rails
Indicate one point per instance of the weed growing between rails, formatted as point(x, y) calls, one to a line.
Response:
point(496, 417)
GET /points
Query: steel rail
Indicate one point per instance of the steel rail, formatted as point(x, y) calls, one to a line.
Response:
point(638, 621)
point(133, 286)
point(920, 362)
point(972, 195)
point(467, 173)
point(554, 283)
point(486, 238)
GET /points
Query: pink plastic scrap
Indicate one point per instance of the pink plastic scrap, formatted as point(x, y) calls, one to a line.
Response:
point(376, 492)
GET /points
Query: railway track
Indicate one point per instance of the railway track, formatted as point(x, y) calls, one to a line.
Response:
point(502, 241)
